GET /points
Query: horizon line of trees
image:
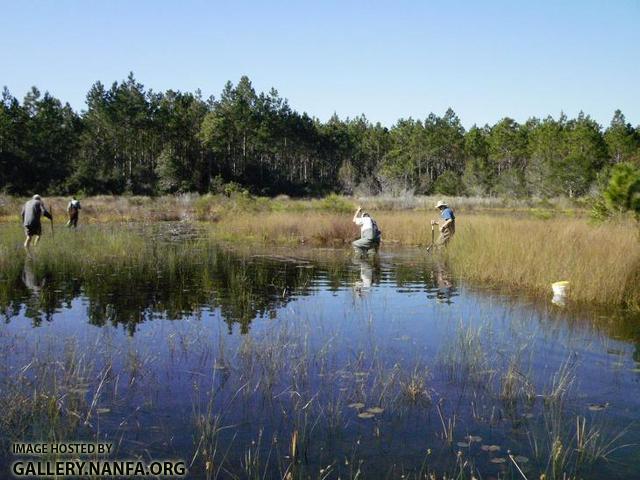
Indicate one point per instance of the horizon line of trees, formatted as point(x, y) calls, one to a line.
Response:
point(133, 140)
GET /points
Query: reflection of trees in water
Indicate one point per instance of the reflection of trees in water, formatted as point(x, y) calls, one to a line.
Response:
point(242, 288)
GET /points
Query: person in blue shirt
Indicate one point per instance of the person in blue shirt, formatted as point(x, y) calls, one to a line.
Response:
point(448, 226)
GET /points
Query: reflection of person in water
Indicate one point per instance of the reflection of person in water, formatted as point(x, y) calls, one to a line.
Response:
point(368, 269)
point(444, 288)
point(29, 279)
point(35, 304)
point(40, 302)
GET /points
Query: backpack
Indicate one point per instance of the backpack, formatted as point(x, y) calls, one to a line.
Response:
point(377, 233)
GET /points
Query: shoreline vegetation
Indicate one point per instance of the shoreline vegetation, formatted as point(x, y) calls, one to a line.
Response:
point(512, 244)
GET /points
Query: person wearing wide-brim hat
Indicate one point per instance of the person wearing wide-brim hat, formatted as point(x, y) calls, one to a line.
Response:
point(448, 226)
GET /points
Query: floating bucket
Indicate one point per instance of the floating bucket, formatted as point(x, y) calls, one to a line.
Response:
point(559, 292)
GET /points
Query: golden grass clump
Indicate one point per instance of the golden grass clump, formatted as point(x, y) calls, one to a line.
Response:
point(601, 262)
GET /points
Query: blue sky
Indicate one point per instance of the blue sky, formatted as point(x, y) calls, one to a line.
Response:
point(485, 59)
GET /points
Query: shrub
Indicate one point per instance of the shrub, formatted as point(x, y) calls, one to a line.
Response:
point(336, 203)
point(623, 190)
point(449, 184)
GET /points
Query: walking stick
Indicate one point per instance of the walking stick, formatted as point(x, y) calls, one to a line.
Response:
point(51, 212)
point(433, 233)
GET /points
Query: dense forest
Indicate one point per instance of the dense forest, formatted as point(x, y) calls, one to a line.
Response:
point(133, 140)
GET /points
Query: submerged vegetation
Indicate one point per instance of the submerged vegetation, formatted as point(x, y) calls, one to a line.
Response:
point(270, 405)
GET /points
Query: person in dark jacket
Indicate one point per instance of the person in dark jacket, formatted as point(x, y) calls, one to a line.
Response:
point(31, 213)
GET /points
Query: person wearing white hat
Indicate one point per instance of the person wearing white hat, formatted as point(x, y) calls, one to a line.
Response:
point(31, 213)
point(448, 227)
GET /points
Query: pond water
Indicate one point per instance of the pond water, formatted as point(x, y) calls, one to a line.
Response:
point(317, 364)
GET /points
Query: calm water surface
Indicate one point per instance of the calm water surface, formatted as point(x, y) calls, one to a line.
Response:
point(229, 362)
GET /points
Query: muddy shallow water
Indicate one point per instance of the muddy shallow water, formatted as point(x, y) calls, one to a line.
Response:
point(320, 364)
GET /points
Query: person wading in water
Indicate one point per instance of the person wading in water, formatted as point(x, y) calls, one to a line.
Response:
point(73, 209)
point(448, 226)
point(370, 234)
point(31, 213)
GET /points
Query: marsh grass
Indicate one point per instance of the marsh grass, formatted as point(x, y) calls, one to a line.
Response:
point(51, 399)
point(532, 254)
point(464, 356)
point(506, 251)
point(526, 245)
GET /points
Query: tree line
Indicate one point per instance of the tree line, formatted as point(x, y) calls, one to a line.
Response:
point(134, 140)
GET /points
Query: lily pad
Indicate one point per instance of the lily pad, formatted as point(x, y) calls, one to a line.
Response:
point(490, 448)
point(463, 444)
point(357, 405)
point(597, 407)
point(474, 438)
point(103, 410)
point(366, 415)
point(375, 410)
point(498, 460)
point(521, 459)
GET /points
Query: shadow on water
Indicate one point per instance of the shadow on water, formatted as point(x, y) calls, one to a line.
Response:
point(285, 363)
